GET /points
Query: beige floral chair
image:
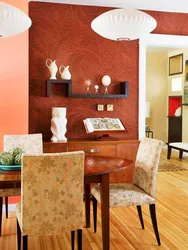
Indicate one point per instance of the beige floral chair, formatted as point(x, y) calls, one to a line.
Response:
point(51, 196)
point(30, 143)
point(142, 190)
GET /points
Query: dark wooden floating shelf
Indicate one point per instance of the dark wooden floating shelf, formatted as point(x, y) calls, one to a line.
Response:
point(123, 90)
point(173, 116)
point(184, 104)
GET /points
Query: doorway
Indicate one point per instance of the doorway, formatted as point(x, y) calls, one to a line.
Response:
point(153, 40)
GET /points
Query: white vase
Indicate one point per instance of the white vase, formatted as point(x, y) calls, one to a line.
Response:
point(178, 112)
point(58, 124)
point(52, 68)
point(65, 74)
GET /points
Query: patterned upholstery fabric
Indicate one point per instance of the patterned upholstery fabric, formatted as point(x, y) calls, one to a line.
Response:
point(18, 212)
point(52, 193)
point(31, 143)
point(124, 195)
point(142, 190)
point(146, 166)
point(10, 192)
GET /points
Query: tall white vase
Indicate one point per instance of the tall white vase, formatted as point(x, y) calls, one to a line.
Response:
point(52, 68)
point(58, 124)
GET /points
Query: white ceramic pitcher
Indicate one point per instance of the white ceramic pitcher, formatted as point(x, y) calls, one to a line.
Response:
point(65, 74)
point(52, 68)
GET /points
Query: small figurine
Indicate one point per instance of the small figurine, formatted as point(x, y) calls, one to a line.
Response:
point(87, 83)
point(96, 89)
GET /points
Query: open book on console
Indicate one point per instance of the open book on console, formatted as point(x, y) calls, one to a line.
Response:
point(103, 125)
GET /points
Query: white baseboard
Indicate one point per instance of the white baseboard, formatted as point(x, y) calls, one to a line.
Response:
point(11, 208)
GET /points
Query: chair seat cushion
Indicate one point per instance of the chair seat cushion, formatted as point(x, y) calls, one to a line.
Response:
point(10, 192)
point(124, 195)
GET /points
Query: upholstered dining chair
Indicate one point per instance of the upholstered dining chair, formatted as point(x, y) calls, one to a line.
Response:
point(142, 190)
point(30, 143)
point(51, 196)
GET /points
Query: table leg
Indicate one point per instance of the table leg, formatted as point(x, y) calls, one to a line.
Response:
point(169, 152)
point(87, 203)
point(105, 214)
point(180, 154)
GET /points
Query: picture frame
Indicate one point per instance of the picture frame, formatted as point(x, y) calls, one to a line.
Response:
point(185, 93)
point(176, 64)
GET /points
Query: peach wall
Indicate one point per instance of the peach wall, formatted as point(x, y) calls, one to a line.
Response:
point(14, 81)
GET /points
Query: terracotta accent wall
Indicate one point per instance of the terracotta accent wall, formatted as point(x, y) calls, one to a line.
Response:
point(63, 32)
point(14, 81)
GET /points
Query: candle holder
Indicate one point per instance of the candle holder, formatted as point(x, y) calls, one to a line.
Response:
point(96, 89)
point(106, 80)
point(87, 84)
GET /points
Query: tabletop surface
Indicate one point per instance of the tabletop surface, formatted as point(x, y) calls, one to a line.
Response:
point(94, 165)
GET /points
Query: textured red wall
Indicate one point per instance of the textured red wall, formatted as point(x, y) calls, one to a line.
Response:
point(63, 32)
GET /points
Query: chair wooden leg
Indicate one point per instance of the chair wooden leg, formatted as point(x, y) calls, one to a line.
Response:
point(72, 239)
point(25, 242)
point(1, 213)
point(139, 210)
point(94, 213)
point(18, 236)
point(79, 231)
point(154, 222)
point(6, 207)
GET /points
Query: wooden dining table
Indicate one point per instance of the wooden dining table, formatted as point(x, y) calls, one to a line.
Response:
point(97, 170)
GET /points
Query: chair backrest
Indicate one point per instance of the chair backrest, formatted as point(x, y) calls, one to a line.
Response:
point(52, 193)
point(30, 143)
point(146, 165)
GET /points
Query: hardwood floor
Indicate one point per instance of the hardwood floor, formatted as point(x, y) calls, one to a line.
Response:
point(125, 229)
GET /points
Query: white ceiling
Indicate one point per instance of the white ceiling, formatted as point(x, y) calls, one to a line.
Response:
point(151, 49)
point(160, 5)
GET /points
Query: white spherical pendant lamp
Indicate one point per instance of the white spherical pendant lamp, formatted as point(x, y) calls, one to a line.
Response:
point(123, 24)
point(13, 21)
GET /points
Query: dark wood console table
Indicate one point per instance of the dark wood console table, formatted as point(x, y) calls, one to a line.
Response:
point(121, 148)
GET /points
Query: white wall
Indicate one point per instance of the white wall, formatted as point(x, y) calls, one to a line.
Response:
point(157, 92)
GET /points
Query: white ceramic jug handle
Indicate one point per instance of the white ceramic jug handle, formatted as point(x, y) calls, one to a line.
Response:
point(47, 62)
point(60, 69)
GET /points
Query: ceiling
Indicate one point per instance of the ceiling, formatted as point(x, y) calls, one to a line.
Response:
point(159, 5)
point(152, 49)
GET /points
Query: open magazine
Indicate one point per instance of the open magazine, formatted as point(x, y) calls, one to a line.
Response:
point(103, 124)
